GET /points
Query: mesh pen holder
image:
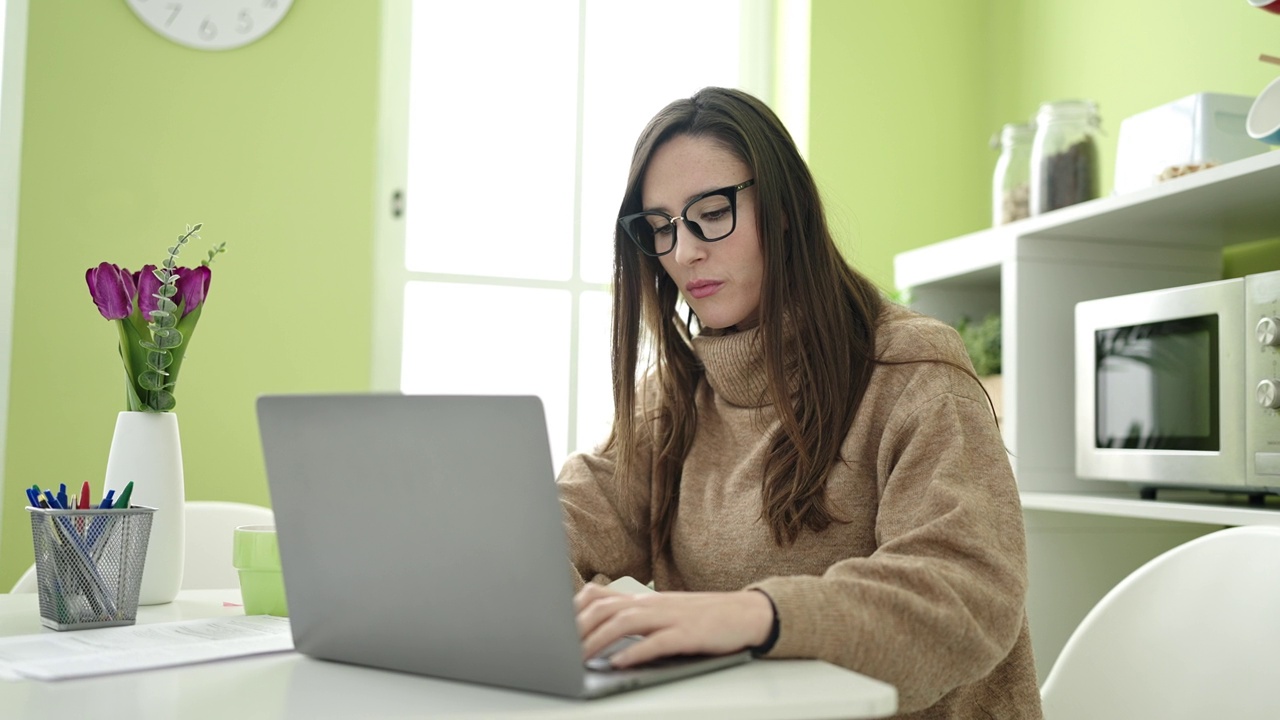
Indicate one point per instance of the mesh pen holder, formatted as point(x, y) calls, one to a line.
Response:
point(89, 565)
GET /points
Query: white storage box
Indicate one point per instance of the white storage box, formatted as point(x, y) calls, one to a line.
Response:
point(1190, 134)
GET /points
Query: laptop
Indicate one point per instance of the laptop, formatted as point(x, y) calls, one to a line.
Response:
point(424, 534)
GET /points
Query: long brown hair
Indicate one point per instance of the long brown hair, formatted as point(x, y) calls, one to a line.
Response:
point(810, 300)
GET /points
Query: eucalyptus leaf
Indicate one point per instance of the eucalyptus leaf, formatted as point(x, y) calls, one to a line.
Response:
point(165, 304)
point(173, 250)
point(159, 359)
point(197, 226)
point(161, 274)
point(163, 401)
point(169, 339)
point(151, 380)
point(169, 263)
point(167, 291)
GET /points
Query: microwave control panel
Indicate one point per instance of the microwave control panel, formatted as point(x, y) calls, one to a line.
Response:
point(1262, 379)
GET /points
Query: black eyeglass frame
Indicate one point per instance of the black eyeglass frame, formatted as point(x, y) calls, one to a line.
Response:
point(730, 192)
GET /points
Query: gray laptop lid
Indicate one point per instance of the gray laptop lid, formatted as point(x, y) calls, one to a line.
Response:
point(424, 534)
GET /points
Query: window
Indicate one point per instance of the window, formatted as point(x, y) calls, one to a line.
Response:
point(13, 43)
point(519, 136)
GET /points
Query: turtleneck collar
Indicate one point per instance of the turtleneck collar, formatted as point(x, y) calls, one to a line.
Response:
point(734, 365)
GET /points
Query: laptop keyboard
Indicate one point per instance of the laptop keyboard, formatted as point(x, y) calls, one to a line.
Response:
point(600, 662)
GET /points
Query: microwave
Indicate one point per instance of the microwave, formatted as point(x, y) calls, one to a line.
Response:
point(1181, 387)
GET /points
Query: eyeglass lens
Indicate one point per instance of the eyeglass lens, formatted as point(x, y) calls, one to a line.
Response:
point(709, 218)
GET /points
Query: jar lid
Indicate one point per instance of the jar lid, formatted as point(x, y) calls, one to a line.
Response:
point(1068, 109)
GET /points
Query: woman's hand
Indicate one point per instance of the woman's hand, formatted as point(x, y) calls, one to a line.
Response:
point(675, 623)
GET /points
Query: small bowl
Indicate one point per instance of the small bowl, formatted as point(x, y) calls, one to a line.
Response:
point(1268, 5)
point(1263, 122)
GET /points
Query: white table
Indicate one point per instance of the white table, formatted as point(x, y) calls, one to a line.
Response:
point(290, 685)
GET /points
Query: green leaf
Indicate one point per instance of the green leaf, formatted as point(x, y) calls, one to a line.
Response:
point(167, 291)
point(163, 401)
point(160, 359)
point(169, 263)
point(161, 274)
point(165, 304)
point(168, 338)
point(131, 398)
point(151, 380)
point(196, 227)
point(186, 326)
point(173, 250)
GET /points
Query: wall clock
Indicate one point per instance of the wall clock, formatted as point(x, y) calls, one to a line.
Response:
point(211, 24)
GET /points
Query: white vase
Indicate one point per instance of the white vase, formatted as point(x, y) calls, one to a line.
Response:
point(146, 450)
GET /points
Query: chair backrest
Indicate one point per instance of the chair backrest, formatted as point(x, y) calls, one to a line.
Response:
point(1194, 633)
point(207, 556)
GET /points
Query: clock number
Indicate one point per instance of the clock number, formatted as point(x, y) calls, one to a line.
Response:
point(245, 22)
point(176, 8)
point(208, 31)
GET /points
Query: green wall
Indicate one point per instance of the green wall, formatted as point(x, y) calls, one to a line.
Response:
point(904, 100)
point(127, 137)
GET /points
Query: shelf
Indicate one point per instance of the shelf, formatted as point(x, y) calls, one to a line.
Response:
point(1181, 505)
point(1226, 205)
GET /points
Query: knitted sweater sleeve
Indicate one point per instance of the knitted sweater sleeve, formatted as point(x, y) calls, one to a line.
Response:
point(940, 602)
point(606, 516)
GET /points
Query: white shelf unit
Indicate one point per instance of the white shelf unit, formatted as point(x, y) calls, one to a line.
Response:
point(1034, 271)
point(1085, 536)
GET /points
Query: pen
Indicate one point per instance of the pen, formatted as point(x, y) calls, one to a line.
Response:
point(82, 503)
point(97, 538)
point(123, 502)
point(62, 496)
point(33, 497)
point(53, 501)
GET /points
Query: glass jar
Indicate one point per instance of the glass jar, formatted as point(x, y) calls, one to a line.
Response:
point(1011, 184)
point(1064, 155)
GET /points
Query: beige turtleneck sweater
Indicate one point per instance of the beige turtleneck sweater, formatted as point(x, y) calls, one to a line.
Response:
point(923, 587)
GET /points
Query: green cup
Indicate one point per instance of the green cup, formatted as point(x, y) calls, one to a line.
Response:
point(256, 557)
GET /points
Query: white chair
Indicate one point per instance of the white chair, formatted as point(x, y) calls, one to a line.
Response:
point(207, 557)
point(1194, 633)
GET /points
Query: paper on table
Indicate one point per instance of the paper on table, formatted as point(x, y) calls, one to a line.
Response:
point(102, 651)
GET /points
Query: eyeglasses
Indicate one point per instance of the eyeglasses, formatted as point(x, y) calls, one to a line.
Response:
point(710, 217)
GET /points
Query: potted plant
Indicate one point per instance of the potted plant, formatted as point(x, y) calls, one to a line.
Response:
point(982, 340)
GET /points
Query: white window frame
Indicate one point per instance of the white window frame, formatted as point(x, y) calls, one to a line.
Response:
point(774, 51)
point(13, 58)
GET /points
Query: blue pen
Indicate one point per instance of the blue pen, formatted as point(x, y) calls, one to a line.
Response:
point(62, 496)
point(53, 501)
point(95, 536)
point(35, 499)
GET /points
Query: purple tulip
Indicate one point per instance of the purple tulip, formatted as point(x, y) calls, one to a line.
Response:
point(112, 290)
point(147, 284)
point(193, 286)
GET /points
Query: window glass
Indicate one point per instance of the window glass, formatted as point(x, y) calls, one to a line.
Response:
point(492, 139)
point(462, 339)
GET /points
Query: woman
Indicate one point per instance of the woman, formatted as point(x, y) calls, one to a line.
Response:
point(815, 472)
